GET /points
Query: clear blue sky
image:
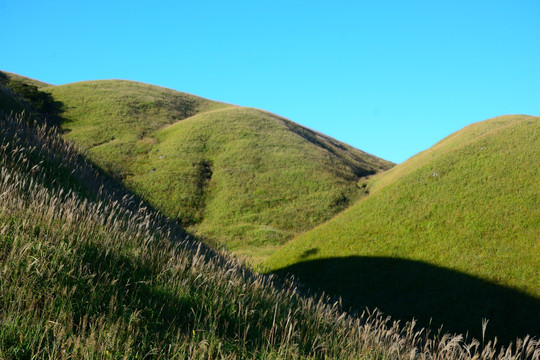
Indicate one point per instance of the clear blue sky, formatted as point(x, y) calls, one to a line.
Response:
point(389, 77)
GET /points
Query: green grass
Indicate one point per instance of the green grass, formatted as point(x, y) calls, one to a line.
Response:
point(20, 94)
point(14, 77)
point(110, 118)
point(87, 272)
point(469, 205)
point(98, 280)
point(233, 175)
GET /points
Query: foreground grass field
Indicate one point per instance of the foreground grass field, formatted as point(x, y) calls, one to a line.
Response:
point(89, 272)
point(452, 234)
point(239, 176)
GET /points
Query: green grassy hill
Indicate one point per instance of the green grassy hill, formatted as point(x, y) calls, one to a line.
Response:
point(87, 271)
point(452, 233)
point(239, 176)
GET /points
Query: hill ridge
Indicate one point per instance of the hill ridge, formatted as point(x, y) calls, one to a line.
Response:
point(23, 79)
point(441, 144)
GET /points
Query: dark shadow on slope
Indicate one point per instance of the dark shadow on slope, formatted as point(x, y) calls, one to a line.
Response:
point(28, 97)
point(406, 289)
point(334, 148)
point(61, 166)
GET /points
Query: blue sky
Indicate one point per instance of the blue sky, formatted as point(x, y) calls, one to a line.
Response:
point(388, 77)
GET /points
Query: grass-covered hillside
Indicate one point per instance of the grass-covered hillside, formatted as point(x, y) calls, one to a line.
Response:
point(89, 272)
point(243, 177)
point(14, 78)
point(19, 93)
point(451, 234)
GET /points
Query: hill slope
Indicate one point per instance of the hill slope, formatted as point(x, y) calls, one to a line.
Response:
point(241, 176)
point(19, 93)
point(89, 272)
point(4, 75)
point(446, 234)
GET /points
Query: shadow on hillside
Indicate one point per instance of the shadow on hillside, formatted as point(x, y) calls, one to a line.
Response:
point(333, 147)
point(26, 96)
point(61, 167)
point(406, 289)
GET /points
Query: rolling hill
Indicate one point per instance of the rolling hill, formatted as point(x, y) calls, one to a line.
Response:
point(88, 270)
point(242, 177)
point(451, 234)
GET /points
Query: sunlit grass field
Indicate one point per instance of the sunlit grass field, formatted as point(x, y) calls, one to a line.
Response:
point(88, 271)
point(470, 204)
point(237, 176)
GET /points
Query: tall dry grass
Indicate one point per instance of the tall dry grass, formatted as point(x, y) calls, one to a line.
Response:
point(89, 272)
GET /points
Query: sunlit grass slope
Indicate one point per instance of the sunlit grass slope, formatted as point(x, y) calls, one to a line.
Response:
point(99, 278)
point(87, 272)
point(112, 118)
point(470, 204)
point(244, 177)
